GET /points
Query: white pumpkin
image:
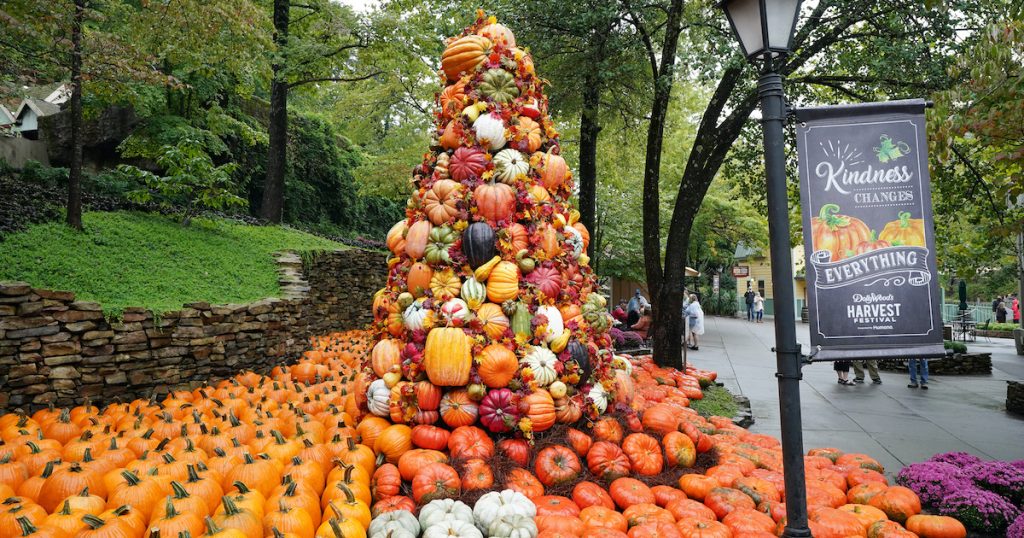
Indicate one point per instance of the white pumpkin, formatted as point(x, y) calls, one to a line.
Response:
point(555, 325)
point(509, 164)
point(455, 310)
point(452, 528)
point(512, 527)
point(438, 510)
point(378, 397)
point(417, 317)
point(542, 361)
point(398, 520)
point(496, 505)
point(473, 292)
point(599, 396)
point(574, 239)
point(490, 131)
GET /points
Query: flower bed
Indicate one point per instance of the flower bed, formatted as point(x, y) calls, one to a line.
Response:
point(987, 496)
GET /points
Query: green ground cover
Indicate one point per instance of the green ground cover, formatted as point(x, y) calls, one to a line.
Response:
point(140, 259)
point(717, 401)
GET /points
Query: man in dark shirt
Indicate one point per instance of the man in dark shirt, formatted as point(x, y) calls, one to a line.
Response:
point(749, 298)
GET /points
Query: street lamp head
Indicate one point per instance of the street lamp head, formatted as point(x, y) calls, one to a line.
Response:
point(762, 26)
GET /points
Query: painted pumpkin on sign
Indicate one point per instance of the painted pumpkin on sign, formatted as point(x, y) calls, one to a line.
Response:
point(838, 234)
point(904, 231)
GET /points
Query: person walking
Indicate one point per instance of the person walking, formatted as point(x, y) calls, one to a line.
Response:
point(749, 298)
point(1016, 309)
point(842, 369)
point(695, 318)
point(758, 306)
point(872, 368)
point(995, 304)
point(1001, 312)
point(913, 365)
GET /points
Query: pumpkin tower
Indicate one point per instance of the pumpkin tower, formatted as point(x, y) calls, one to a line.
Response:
point(491, 312)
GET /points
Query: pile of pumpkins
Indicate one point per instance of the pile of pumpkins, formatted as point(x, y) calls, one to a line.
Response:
point(490, 297)
point(281, 456)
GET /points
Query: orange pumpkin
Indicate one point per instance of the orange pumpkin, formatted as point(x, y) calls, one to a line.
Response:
point(393, 442)
point(503, 283)
point(416, 239)
point(447, 356)
point(494, 321)
point(494, 202)
point(418, 281)
point(513, 239)
point(396, 238)
point(497, 364)
point(436, 481)
point(385, 356)
point(464, 54)
point(412, 461)
point(452, 99)
point(936, 527)
point(838, 234)
point(441, 200)
point(539, 407)
point(529, 131)
point(553, 171)
point(498, 33)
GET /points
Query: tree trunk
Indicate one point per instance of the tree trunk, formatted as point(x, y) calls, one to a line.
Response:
point(74, 208)
point(666, 295)
point(272, 208)
point(589, 129)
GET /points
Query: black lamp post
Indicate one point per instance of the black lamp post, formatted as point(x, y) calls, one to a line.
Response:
point(764, 29)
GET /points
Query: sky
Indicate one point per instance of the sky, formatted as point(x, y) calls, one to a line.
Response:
point(361, 6)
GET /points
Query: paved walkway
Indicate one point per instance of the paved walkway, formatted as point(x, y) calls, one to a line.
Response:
point(895, 424)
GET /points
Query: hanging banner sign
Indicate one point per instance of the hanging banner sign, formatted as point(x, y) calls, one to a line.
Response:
point(867, 213)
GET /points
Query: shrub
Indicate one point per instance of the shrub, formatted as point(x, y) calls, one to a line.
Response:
point(34, 172)
point(957, 347)
point(192, 182)
point(1017, 529)
point(932, 480)
point(979, 510)
point(999, 477)
point(959, 459)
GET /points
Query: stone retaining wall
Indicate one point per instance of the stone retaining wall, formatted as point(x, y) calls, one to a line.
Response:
point(54, 349)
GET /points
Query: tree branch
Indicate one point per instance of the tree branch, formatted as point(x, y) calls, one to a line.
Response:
point(332, 79)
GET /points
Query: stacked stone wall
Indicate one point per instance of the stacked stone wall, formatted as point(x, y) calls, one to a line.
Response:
point(57, 350)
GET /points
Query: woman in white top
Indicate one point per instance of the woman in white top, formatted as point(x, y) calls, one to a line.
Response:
point(758, 306)
point(695, 316)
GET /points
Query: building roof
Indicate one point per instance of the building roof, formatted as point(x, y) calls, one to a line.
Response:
point(743, 252)
point(40, 107)
point(6, 116)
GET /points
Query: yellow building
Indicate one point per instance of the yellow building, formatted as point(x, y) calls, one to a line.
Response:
point(753, 267)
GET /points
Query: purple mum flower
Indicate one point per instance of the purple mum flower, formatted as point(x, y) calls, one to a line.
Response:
point(1018, 464)
point(999, 477)
point(1017, 529)
point(960, 459)
point(979, 510)
point(932, 480)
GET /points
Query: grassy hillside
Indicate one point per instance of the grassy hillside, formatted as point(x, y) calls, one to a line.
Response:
point(142, 259)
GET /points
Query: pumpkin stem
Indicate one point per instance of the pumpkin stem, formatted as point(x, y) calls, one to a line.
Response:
point(193, 474)
point(349, 496)
point(230, 508)
point(829, 215)
point(290, 490)
point(93, 522)
point(278, 438)
point(65, 510)
point(348, 473)
point(336, 528)
point(277, 533)
point(904, 217)
point(131, 478)
point(248, 458)
point(27, 528)
point(220, 452)
point(179, 490)
point(154, 532)
point(241, 487)
point(211, 527)
point(169, 509)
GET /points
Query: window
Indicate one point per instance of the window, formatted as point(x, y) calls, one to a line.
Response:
point(760, 288)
